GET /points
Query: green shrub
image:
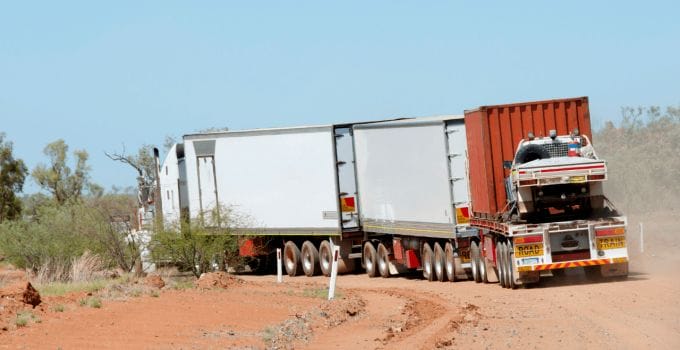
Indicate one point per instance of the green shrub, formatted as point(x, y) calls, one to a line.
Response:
point(201, 245)
point(69, 241)
point(21, 321)
point(95, 303)
point(23, 317)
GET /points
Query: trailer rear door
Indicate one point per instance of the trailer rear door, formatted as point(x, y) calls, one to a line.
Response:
point(347, 184)
point(458, 172)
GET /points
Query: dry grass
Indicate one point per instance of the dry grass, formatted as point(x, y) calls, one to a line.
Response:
point(85, 267)
point(63, 288)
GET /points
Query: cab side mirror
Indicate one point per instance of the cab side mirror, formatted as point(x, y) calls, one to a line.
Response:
point(507, 164)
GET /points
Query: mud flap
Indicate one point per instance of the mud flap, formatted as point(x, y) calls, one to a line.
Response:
point(460, 271)
point(529, 277)
point(491, 273)
point(345, 264)
point(396, 269)
point(614, 270)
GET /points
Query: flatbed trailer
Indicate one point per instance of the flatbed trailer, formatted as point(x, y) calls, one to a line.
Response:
point(537, 196)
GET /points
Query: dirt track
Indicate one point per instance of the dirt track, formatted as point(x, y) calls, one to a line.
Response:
point(403, 312)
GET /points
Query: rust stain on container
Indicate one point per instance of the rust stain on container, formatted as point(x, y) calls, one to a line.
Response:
point(493, 133)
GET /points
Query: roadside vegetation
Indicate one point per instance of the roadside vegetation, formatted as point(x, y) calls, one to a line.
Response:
point(206, 244)
point(643, 157)
point(65, 234)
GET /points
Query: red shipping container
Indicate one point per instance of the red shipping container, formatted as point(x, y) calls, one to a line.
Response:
point(493, 133)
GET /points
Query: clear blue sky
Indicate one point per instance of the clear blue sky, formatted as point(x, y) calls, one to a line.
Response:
point(100, 75)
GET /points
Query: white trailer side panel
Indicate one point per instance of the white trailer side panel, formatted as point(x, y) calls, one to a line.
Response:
point(403, 178)
point(168, 177)
point(281, 179)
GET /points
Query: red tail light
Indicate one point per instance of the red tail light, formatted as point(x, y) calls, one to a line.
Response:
point(610, 231)
point(528, 239)
point(596, 177)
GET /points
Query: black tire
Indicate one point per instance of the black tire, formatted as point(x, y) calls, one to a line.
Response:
point(510, 274)
point(428, 262)
point(383, 261)
point(500, 262)
point(310, 259)
point(291, 259)
point(346, 265)
point(482, 266)
point(531, 152)
point(558, 272)
point(325, 258)
point(439, 263)
point(474, 261)
point(449, 262)
point(370, 260)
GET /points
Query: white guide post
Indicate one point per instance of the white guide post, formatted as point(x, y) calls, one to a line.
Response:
point(279, 273)
point(334, 272)
point(642, 239)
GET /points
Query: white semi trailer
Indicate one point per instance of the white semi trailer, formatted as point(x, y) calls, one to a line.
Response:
point(292, 188)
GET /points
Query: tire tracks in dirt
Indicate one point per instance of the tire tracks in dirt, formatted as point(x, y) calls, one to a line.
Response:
point(399, 318)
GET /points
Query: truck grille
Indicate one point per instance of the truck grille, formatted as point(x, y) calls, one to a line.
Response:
point(556, 149)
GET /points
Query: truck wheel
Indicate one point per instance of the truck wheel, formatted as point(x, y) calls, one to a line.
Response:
point(325, 258)
point(439, 262)
point(474, 261)
point(500, 262)
point(509, 272)
point(383, 261)
point(291, 259)
point(531, 152)
point(370, 259)
point(310, 259)
point(449, 262)
point(428, 262)
point(482, 266)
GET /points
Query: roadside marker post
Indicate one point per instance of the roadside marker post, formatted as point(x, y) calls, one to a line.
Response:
point(279, 273)
point(642, 239)
point(334, 272)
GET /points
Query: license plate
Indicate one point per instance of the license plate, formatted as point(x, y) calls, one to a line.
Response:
point(525, 250)
point(464, 254)
point(611, 243)
point(530, 261)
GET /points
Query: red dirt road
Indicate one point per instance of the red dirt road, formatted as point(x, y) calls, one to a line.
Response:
point(401, 312)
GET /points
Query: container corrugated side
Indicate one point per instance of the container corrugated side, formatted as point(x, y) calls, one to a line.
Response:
point(493, 133)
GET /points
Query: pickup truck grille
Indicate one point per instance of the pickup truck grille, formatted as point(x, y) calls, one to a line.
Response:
point(556, 149)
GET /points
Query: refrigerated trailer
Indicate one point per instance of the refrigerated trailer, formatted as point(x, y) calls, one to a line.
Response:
point(414, 196)
point(291, 188)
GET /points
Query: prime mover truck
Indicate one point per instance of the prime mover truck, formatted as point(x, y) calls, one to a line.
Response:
point(503, 193)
